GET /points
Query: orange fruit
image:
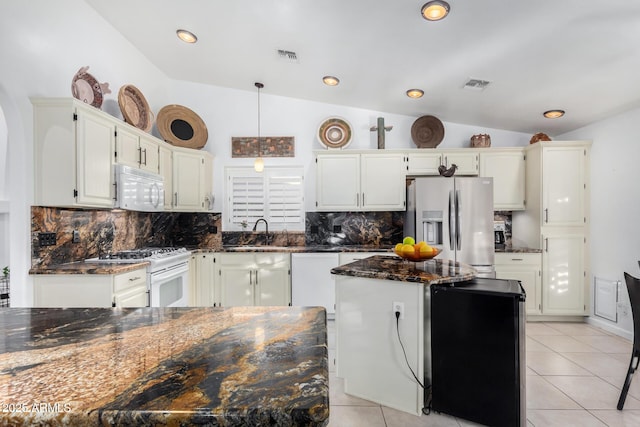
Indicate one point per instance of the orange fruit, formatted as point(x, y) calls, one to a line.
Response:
point(408, 250)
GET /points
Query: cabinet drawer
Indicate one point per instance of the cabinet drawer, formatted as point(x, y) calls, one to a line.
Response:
point(130, 279)
point(515, 259)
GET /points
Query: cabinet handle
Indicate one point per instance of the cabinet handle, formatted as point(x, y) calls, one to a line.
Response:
point(133, 279)
point(139, 155)
point(546, 245)
point(175, 198)
point(145, 156)
point(546, 215)
point(250, 277)
point(362, 199)
point(516, 259)
point(255, 282)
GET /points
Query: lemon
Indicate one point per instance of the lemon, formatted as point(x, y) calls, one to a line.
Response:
point(409, 241)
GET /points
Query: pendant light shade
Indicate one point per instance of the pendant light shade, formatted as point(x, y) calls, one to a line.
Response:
point(258, 164)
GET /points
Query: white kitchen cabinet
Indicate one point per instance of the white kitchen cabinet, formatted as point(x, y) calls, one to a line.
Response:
point(565, 284)
point(190, 169)
point(206, 289)
point(526, 268)
point(556, 220)
point(91, 290)
point(507, 168)
point(423, 162)
point(248, 279)
point(165, 169)
point(360, 181)
point(465, 159)
point(311, 281)
point(135, 149)
point(74, 151)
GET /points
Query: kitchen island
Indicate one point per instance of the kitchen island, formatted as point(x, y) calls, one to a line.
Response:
point(256, 366)
point(369, 356)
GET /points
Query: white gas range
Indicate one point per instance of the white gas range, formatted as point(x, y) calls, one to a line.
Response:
point(167, 274)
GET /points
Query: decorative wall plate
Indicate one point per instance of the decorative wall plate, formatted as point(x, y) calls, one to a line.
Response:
point(427, 132)
point(335, 132)
point(135, 108)
point(86, 88)
point(181, 127)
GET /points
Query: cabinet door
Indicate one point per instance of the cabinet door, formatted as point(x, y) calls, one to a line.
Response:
point(507, 168)
point(149, 155)
point(424, 163)
point(206, 295)
point(563, 186)
point(236, 285)
point(526, 268)
point(73, 290)
point(96, 153)
point(132, 297)
point(165, 168)
point(383, 183)
point(187, 181)
point(563, 281)
point(127, 148)
point(467, 162)
point(338, 182)
point(272, 286)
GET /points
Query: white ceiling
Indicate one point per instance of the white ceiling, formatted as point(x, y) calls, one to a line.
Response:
point(582, 56)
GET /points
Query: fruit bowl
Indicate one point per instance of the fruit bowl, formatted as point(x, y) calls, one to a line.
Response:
point(416, 257)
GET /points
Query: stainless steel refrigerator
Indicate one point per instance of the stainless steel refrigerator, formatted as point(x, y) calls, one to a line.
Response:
point(455, 215)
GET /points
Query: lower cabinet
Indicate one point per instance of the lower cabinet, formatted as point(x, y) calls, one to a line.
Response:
point(526, 268)
point(92, 290)
point(247, 279)
point(311, 281)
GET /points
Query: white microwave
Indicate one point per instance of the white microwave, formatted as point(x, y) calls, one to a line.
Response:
point(139, 190)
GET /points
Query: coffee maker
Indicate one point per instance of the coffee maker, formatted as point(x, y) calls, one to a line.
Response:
point(499, 235)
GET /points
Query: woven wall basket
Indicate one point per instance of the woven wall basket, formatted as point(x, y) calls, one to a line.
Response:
point(181, 127)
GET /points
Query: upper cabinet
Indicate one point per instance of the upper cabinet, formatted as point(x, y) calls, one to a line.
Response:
point(136, 149)
point(191, 170)
point(358, 181)
point(74, 153)
point(76, 147)
point(507, 168)
point(427, 161)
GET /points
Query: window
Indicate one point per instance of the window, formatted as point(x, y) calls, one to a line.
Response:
point(276, 194)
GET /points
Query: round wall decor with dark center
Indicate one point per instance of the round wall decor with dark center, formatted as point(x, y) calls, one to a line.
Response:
point(181, 127)
point(427, 132)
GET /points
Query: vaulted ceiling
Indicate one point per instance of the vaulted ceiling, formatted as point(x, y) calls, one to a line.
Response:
point(582, 56)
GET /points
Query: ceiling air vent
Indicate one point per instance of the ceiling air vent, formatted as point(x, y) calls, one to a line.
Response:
point(287, 55)
point(476, 84)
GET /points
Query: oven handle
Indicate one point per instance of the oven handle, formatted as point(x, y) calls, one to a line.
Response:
point(171, 271)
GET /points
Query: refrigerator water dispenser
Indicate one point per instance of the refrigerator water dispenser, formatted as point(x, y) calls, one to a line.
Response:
point(432, 227)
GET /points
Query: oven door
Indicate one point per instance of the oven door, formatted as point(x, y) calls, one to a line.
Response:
point(170, 286)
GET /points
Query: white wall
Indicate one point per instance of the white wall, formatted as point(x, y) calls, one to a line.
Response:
point(615, 201)
point(44, 43)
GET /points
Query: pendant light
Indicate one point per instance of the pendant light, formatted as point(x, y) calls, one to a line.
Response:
point(258, 165)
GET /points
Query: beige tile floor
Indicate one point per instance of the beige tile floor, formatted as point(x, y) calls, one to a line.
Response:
point(574, 375)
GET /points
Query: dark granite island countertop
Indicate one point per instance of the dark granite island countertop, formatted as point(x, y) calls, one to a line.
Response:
point(249, 366)
point(433, 271)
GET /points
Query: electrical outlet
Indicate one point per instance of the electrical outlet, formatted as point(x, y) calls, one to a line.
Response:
point(76, 236)
point(398, 307)
point(46, 239)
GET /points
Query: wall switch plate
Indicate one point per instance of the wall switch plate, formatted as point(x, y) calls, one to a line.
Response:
point(46, 239)
point(337, 228)
point(76, 236)
point(398, 307)
point(213, 229)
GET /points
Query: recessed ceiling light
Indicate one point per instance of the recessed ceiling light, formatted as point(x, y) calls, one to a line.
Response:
point(331, 80)
point(553, 114)
point(186, 36)
point(415, 93)
point(435, 10)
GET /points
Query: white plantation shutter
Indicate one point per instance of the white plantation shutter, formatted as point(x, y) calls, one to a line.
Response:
point(276, 194)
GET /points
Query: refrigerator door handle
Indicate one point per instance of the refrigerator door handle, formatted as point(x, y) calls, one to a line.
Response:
point(452, 220)
point(458, 209)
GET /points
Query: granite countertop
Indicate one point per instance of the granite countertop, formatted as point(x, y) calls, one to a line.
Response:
point(303, 249)
point(254, 366)
point(84, 267)
point(433, 271)
point(518, 250)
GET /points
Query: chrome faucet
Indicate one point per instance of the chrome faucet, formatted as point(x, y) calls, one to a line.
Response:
point(266, 224)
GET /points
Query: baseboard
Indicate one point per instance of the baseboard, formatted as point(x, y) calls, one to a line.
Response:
point(609, 327)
